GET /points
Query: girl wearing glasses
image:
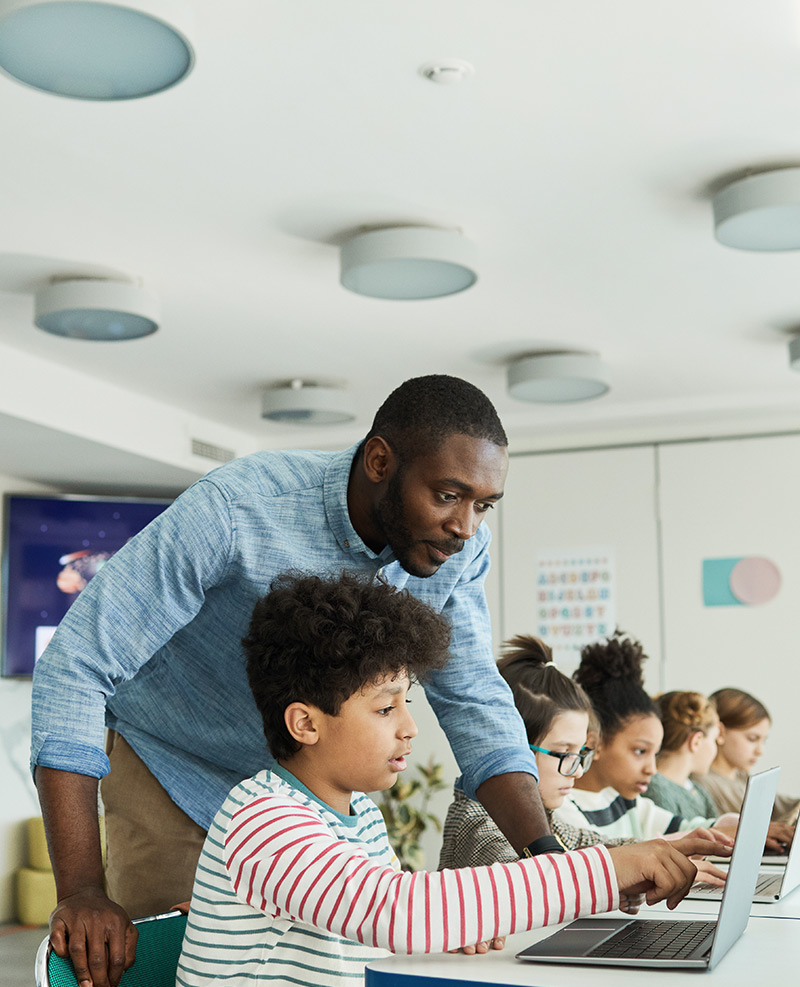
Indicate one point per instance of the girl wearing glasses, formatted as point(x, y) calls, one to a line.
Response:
point(556, 713)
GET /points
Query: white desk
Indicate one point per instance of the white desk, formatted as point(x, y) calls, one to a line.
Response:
point(768, 948)
point(788, 907)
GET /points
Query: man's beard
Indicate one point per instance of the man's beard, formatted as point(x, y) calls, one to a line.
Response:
point(390, 516)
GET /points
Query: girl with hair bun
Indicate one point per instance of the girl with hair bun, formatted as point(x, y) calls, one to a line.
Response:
point(744, 727)
point(609, 798)
point(691, 726)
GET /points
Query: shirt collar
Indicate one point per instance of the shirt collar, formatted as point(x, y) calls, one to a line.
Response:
point(289, 778)
point(334, 493)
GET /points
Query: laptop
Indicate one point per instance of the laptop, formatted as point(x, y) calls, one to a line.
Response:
point(772, 884)
point(674, 943)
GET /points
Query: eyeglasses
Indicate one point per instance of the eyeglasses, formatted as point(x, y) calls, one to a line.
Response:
point(569, 762)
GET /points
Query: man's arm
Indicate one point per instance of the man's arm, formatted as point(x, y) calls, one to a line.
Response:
point(95, 933)
point(475, 708)
point(513, 801)
point(152, 587)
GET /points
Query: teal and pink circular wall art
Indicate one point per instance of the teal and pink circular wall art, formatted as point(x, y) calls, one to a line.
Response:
point(744, 581)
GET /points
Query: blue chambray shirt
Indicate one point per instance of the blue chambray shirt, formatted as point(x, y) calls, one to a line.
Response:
point(152, 646)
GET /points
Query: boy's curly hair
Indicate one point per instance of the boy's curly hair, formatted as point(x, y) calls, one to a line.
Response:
point(319, 640)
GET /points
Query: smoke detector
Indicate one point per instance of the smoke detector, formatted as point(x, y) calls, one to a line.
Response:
point(447, 71)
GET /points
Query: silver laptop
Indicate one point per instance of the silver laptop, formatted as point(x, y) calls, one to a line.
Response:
point(772, 884)
point(675, 943)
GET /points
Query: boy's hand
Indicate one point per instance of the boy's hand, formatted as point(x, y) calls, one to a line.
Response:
point(660, 870)
point(630, 903)
point(482, 947)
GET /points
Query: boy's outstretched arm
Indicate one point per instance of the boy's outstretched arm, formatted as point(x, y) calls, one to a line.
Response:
point(659, 869)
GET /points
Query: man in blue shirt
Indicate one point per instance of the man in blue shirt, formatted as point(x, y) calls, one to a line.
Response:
point(151, 648)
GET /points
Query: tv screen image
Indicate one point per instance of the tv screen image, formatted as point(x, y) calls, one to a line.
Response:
point(52, 548)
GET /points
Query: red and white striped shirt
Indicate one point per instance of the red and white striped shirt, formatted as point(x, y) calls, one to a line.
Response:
point(287, 886)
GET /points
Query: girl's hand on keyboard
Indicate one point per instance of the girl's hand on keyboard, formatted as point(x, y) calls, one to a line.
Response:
point(710, 874)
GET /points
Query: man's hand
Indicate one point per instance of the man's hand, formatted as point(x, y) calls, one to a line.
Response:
point(660, 870)
point(96, 934)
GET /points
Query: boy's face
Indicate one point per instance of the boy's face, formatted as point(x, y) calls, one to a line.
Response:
point(363, 749)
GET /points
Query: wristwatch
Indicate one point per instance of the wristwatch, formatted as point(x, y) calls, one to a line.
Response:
point(545, 844)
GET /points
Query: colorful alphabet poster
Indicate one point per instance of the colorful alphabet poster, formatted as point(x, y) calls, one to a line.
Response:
point(575, 600)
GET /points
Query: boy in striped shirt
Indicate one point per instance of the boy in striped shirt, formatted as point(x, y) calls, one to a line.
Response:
point(297, 882)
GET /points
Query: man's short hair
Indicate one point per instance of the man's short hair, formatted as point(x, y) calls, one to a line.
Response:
point(422, 412)
point(319, 641)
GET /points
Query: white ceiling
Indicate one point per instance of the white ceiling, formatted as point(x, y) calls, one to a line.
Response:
point(580, 157)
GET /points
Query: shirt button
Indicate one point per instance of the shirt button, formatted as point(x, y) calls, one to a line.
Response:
point(347, 544)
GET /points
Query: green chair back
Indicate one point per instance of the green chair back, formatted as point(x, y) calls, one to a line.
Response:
point(157, 954)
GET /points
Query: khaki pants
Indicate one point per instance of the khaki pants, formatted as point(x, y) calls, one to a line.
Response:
point(152, 846)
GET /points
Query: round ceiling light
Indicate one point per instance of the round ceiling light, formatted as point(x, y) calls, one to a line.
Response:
point(408, 262)
point(760, 212)
point(558, 377)
point(301, 402)
point(96, 310)
point(91, 50)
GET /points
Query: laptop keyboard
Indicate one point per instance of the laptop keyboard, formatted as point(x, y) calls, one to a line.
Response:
point(655, 940)
point(766, 884)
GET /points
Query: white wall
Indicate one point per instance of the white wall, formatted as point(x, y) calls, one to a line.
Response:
point(575, 500)
point(665, 508)
point(19, 801)
point(726, 500)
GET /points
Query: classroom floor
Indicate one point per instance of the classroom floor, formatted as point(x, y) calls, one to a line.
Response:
point(18, 945)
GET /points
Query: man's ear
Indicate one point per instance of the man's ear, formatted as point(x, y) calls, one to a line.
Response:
point(380, 461)
point(300, 721)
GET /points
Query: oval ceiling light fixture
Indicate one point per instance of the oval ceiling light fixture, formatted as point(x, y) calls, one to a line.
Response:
point(99, 310)
point(760, 212)
point(304, 402)
point(553, 378)
point(86, 49)
point(408, 263)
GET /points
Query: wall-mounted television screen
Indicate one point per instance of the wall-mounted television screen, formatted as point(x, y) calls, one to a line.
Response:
point(52, 547)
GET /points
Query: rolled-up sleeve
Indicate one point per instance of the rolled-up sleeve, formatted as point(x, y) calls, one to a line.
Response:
point(152, 587)
point(471, 700)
